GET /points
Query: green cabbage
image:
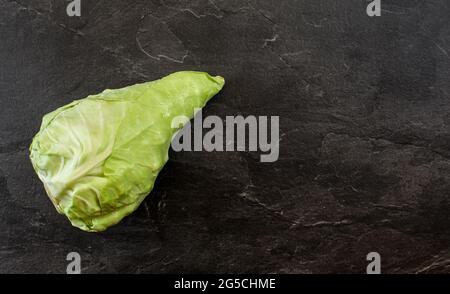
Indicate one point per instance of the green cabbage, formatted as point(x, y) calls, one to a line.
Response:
point(99, 157)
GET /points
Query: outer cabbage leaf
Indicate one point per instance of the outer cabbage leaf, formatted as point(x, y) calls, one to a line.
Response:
point(99, 157)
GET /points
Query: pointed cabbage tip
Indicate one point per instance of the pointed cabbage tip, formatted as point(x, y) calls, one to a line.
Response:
point(218, 80)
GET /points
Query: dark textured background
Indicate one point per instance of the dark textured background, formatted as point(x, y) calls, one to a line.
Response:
point(364, 156)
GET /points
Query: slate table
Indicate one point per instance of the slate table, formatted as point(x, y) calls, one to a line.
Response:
point(364, 161)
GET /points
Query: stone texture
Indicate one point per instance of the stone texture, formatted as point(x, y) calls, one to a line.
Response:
point(364, 154)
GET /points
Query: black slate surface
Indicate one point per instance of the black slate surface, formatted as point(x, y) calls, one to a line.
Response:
point(364, 118)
